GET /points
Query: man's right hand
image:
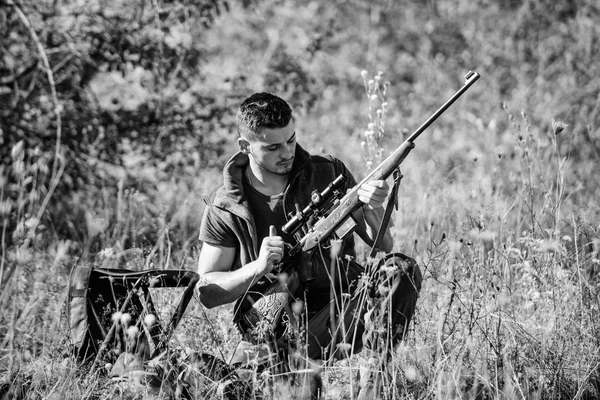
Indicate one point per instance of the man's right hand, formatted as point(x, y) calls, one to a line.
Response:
point(271, 251)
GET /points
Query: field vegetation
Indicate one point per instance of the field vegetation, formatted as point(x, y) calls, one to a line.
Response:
point(116, 118)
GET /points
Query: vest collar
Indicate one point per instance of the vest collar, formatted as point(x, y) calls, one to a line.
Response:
point(232, 190)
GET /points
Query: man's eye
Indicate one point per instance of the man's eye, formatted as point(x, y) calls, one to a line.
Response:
point(272, 148)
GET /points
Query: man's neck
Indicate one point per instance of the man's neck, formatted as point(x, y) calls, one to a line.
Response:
point(266, 183)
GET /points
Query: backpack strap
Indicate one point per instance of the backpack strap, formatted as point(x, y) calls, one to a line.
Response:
point(76, 307)
point(391, 203)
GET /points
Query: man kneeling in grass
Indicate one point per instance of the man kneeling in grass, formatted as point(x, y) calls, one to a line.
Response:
point(334, 306)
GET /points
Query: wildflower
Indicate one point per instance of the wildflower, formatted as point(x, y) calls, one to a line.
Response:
point(364, 73)
point(23, 255)
point(155, 281)
point(61, 249)
point(390, 269)
point(5, 208)
point(34, 196)
point(32, 223)
point(283, 278)
point(344, 347)
point(42, 166)
point(383, 290)
point(223, 388)
point(95, 225)
point(374, 97)
point(411, 373)
point(558, 126)
point(17, 151)
point(18, 169)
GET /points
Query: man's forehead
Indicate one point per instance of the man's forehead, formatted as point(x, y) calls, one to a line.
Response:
point(276, 135)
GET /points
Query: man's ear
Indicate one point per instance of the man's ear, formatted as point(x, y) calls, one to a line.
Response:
point(244, 145)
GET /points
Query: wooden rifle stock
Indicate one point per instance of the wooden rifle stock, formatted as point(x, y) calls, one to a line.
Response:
point(334, 223)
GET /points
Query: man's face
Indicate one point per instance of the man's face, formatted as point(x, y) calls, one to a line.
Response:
point(273, 151)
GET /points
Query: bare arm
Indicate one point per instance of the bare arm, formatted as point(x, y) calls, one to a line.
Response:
point(369, 217)
point(220, 284)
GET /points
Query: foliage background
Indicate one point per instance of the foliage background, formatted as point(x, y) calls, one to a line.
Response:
point(116, 117)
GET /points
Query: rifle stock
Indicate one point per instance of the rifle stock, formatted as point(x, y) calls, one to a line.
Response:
point(336, 222)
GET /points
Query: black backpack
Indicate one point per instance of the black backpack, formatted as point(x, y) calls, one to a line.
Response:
point(103, 303)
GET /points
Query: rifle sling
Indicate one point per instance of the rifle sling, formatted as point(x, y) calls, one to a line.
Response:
point(391, 203)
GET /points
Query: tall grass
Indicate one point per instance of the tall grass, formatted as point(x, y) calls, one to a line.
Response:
point(508, 308)
point(510, 277)
point(499, 208)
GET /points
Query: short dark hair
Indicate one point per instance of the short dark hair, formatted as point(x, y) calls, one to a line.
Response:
point(262, 110)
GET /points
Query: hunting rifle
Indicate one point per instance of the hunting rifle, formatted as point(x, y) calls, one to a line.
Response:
point(335, 212)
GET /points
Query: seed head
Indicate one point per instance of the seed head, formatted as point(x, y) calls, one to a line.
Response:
point(149, 320)
point(5, 208)
point(336, 248)
point(297, 307)
point(116, 317)
point(125, 319)
point(133, 331)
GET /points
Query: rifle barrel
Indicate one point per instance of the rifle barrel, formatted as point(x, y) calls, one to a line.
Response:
point(470, 79)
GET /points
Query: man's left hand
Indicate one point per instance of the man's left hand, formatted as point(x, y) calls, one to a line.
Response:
point(373, 193)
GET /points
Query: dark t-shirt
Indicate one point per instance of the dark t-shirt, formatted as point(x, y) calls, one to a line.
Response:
point(267, 211)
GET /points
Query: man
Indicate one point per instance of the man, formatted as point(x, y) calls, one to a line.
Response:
point(269, 178)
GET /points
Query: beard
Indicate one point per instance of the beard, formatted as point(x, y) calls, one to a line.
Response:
point(282, 168)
